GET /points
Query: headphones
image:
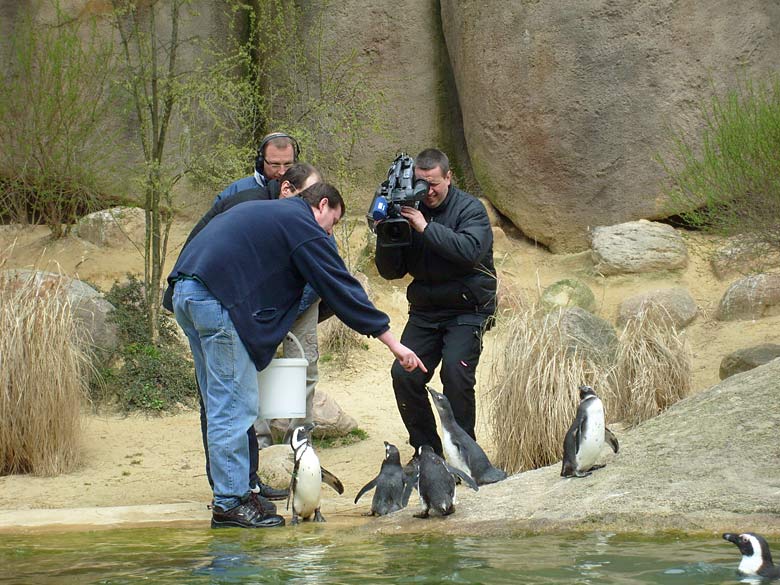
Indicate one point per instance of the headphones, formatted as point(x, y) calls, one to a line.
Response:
point(273, 136)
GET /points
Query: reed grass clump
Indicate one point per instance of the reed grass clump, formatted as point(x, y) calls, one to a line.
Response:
point(533, 390)
point(44, 377)
point(338, 341)
point(653, 369)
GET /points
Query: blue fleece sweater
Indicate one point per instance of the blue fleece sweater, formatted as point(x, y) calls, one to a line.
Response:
point(256, 257)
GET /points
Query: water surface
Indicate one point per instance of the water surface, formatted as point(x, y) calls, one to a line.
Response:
point(317, 554)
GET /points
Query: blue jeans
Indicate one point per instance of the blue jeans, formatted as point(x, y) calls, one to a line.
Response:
point(228, 387)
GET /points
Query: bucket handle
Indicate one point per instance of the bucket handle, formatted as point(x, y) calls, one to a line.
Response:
point(291, 336)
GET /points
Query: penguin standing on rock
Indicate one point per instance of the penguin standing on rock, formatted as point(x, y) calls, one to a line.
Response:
point(461, 449)
point(756, 557)
point(436, 483)
point(307, 478)
point(391, 493)
point(586, 436)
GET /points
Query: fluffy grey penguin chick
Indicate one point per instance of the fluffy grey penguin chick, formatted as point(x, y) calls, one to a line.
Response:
point(461, 449)
point(586, 436)
point(436, 483)
point(391, 494)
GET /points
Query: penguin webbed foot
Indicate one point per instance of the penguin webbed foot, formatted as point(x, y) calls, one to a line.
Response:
point(295, 520)
point(423, 514)
point(318, 517)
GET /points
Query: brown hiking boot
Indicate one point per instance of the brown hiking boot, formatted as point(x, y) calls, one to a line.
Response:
point(247, 514)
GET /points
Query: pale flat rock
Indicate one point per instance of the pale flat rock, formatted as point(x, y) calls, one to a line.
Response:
point(637, 246)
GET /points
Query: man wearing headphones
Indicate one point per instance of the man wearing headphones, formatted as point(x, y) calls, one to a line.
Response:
point(277, 152)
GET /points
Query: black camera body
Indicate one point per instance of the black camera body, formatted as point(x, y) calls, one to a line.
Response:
point(400, 188)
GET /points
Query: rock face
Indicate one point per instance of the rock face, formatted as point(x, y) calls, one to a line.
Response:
point(637, 246)
point(687, 469)
point(746, 359)
point(751, 297)
point(88, 305)
point(565, 105)
point(673, 304)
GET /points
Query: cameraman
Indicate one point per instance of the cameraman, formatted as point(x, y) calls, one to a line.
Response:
point(451, 299)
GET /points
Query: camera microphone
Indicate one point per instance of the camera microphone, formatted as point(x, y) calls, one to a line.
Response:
point(379, 208)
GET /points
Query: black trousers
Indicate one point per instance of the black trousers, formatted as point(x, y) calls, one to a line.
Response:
point(457, 348)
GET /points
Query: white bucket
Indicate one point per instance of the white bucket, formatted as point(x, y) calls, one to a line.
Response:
point(282, 386)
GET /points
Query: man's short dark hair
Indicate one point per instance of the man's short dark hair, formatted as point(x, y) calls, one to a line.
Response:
point(319, 191)
point(430, 158)
point(298, 173)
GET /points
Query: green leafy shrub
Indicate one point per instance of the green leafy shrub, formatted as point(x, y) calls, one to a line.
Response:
point(727, 180)
point(145, 375)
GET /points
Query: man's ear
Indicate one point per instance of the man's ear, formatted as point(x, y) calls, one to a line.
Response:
point(323, 204)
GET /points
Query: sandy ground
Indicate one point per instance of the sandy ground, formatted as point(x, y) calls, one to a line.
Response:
point(145, 460)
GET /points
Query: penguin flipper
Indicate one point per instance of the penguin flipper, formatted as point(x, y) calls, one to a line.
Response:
point(464, 476)
point(410, 482)
point(611, 439)
point(369, 486)
point(332, 481)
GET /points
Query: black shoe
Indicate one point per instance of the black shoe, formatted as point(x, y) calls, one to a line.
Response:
point(247, 514)
point(267, 506)
point(268, 492)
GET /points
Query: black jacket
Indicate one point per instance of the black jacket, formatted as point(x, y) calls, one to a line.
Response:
point(451, 261)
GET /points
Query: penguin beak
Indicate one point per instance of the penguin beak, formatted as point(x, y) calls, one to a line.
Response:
point(731, 537)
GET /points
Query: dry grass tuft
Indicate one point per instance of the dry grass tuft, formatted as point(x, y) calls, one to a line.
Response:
point(338, 340)
point(533, 390)
point(653, 368)
point(44, 372)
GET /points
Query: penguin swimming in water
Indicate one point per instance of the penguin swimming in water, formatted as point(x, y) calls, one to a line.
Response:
point(586, 436)
point(391, 494)
point(307, 477)
point(756, 557)
point(436, 483)
point(461, 449)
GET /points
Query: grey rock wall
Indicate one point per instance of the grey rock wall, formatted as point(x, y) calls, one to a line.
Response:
point(565, 103)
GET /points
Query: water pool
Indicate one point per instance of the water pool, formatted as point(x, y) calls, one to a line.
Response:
point(316, 554)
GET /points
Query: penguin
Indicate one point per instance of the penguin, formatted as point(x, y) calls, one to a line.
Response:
point(390, 494)
point(307, 477)
point(461, 449)
point(756, 557)
point(586, 436)
point(436, 483)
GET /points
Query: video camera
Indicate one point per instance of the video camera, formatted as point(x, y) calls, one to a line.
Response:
point(400, 188)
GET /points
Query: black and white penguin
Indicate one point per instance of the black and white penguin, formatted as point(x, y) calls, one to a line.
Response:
point(390, 494)
point(436, 483)
point(756, 558)
point(461, 449)
point(586, 436)
point(308, 477)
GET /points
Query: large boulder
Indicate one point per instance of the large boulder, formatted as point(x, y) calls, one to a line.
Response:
point(672, 305)
point(113, 227)
point(749, 298)
point(569, 292)
point(329, 418)
point(637, 246)
point(748, 358)
point(586, 333)
point(88, 306)
point(566, 104)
